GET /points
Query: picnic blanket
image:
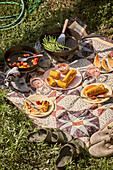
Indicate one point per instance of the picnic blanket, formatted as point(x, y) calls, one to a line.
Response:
point(72, 114)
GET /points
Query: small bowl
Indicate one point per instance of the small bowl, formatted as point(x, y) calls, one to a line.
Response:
point(63, 68)
point(36, 82)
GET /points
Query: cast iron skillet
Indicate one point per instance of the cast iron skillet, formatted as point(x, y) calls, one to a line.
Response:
point(17, 51)
point(73, 39)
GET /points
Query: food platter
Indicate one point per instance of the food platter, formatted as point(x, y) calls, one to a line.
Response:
point(75, 82)
point(102, 70)
point(33, 99)
point(90, 100)
point(105, 64)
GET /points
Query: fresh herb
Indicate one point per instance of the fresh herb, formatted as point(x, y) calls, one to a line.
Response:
point(50, 43)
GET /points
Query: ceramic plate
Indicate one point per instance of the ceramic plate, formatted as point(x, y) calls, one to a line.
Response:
point(75, 82)
point(34, 98)
point(89, 100)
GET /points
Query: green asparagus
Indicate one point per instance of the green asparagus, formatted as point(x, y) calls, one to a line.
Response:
point(50, 43)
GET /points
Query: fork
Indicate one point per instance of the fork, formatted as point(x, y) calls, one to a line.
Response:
point(98, 97)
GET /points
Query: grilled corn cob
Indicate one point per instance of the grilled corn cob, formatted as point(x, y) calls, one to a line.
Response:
point(45, 106)
point(61, 84)
point(51, 81)
point(95, 90)
point(70, 76)
point(55, 74)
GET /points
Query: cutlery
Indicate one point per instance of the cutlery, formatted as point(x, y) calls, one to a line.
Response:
point(98, 97)
point(105, 96)
point(25, 59)
point(61, 38)
point(32, 104)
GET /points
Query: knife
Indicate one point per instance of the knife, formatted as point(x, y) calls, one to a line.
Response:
point(32, 104)
point(98, 97)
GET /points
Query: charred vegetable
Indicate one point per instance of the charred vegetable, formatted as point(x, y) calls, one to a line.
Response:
point(50, 44)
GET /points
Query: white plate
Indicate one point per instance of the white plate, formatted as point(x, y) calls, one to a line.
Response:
point(34, 98)
point(89, 100)
point(75, 82)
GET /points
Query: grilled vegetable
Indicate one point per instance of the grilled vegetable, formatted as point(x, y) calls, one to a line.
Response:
point(55, 74)
point(70, 76)
point(51, 81)
point(95, 90)
point(45, 106)
point(61, 84)
point(50, 44)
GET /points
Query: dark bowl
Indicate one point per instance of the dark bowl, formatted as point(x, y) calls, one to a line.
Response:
point(17, 51)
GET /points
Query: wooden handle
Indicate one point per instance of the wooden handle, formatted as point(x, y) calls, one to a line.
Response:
point(65, 25)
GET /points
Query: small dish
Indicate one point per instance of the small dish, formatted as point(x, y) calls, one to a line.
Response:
point(36, 82)
point(63, 68)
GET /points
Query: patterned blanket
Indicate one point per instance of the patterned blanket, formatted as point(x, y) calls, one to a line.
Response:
point(80, 118)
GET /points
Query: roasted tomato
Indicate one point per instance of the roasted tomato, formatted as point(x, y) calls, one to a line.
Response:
point(36, 59)
point(18, 64)
point(22, 63)
point(34, 55)
point(38, 102)
point(26, 55)
point(19, 58)
point(28, 66)
point(93, 97)
point(8, 59)
point(14, 64)
point(34, 62)
point(25, 64)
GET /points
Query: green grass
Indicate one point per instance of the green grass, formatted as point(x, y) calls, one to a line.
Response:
point(15, 151)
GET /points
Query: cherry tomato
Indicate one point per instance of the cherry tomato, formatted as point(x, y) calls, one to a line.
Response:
point(34, 54)
point(36, 59)
point(18, 64)
point(38, 102)
point(14, 64)
point(22, 63)
point(34, 62)
point(94, 97)
point(8, 59)
point(19, 58)
point(25, 64)
point(28, 66)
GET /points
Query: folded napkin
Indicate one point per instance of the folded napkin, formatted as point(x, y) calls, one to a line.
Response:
point(15, 81)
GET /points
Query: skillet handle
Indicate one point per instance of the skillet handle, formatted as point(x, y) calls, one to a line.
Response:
point(92, 35)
